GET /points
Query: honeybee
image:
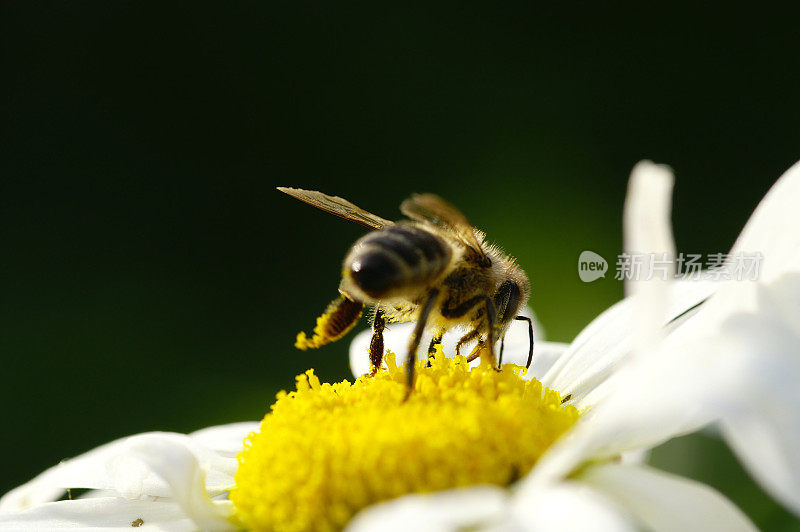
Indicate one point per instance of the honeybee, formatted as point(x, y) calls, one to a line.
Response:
point(433, 268)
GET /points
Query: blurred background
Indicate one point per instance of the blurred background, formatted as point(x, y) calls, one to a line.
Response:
point(152, 277)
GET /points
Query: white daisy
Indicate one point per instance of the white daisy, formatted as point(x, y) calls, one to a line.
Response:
point(733, 359)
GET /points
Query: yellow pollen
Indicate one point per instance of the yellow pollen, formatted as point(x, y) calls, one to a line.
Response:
point(326, 451)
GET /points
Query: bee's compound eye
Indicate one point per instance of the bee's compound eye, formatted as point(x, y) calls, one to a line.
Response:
point(507, 300)
point(374, 273)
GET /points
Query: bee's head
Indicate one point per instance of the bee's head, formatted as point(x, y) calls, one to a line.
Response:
point(509, 298)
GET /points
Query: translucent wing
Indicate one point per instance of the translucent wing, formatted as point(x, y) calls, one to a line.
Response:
point(338, 206)
point(433, 209)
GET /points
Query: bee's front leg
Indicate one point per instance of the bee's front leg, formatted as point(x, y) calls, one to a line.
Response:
point(476, 351)
point(491, 324)
point(461, 309)
point(465, 339)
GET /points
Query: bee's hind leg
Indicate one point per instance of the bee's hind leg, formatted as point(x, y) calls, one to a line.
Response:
point(376, 344)
point(337, 320)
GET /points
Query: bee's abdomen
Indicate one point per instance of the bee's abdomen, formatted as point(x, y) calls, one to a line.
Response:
point(400, 256)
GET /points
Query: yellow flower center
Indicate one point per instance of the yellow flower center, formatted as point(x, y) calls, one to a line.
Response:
point(328, 450)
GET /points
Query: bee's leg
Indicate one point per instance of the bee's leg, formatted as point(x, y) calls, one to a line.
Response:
point(491, 324)
point(466, 338)
point(413, 345)
point(437, 339)
point(502, 348)
point(530, 337)
point(376, 344)
point(340, 316)
point(491, 317)
point(476, 351)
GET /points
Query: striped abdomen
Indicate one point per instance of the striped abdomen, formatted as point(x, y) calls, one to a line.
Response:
point(384, 263)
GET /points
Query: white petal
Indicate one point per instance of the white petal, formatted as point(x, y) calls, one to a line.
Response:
point(650, 401)
point(756, 389)
point(95, 469)
point(666, 502)
point(227, 440)
point(569, 506)
point(745, 373)
point(635, 457)
point(85, 471)
point(680, 387)
point(397, 335)
point(440, 511)
point(217, 448)
point(772, 231)
point(648, 233)
point(178, 466)
point(606, 342)
point(743, 369)
point(774, 228)
point(104, 513)
point(646, 217)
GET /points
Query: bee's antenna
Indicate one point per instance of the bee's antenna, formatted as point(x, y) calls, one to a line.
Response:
point(530, 337)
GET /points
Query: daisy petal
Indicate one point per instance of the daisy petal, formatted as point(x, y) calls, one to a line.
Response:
point(648, 402)
point(569, 506)
point(98, 468)
point(606, 342)
point(773, 228)
point(178, 466)
point(665, 502)
point(85, 471)
point(772, 231)
point(224, 442)
point(444, 510)
point(647, 230)
point(646, 217)
point(757, 394)
point(744, 373)
point(224, 439)
point(106, 513)
point(647, 234)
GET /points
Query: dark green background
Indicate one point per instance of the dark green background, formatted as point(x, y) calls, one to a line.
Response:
point(153, 279)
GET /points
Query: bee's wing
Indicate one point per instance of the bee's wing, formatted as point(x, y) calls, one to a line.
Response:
point(338, 206)
point(433, 209)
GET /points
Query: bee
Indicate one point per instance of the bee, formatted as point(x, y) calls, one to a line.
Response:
point(433, 268)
